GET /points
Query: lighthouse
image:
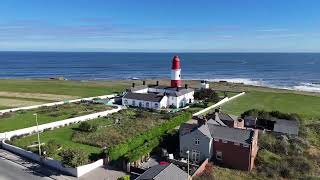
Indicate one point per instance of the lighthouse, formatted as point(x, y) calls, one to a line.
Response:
point(176, 72)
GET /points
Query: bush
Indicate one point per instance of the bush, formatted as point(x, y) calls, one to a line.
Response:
point(87, 127)
point(74, 158)
point(50, 148)
point(127, 177)
point(206, 94)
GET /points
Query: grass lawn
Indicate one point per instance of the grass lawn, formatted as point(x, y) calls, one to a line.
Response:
point(24, 118)
point(73, 88)
point(4, 107)
point(62, 136)
point(308, 107)
point(112, 130)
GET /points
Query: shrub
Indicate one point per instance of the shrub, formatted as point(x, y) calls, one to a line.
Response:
point(50, 148)
point(206, 94)
point(74, 158)
point(87, 127)
point(127, 177)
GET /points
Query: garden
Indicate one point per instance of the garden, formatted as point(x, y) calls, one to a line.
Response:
point(125, 134)
point(46, 114)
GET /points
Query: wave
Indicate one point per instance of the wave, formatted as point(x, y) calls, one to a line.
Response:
point(310, 87)
point(303, 86)
point(246, 81)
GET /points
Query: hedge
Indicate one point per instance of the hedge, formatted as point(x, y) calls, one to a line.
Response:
point(146, 148)
point(122, 149)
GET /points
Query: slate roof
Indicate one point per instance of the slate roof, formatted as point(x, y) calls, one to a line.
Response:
point(151, 97)
point(163, 172)
point(223, 116)
point(173, 90)
point(186, 128)
point(286, 126)
point(242, 136)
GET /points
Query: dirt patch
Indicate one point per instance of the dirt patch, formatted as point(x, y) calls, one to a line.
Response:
point(17, 103)
point(52, 97)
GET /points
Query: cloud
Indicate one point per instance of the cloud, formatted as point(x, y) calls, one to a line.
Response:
point(273, 30)
point(98, 28)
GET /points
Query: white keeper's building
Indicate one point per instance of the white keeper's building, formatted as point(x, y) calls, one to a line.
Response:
point(158, 96)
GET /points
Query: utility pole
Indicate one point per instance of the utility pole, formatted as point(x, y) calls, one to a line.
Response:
point(188, 152)
point(39, 144)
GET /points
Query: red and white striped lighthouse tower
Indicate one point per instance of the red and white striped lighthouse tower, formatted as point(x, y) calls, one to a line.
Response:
point(176, 72)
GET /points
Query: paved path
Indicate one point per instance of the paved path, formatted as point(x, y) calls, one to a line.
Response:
point(27, 166)
point(12, 171)
point(13, 167)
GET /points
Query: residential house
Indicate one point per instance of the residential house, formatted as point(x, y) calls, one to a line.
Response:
point(232, 147)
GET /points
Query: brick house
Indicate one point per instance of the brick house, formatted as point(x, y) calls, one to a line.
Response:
point(232, 147)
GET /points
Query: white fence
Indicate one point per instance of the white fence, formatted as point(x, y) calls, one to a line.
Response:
point(55, 103)
point(77, 172)
point(224, 100)
point(48, 126)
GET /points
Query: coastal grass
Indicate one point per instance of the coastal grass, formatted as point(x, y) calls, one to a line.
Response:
point(73, 88)
point(4, 107)
point(307, 106)
point(25, 118)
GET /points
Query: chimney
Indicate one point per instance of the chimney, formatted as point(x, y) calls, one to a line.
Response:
point(157, 83)
point(144, 82)
point(186, 86)
point(133, 84)
point(178, 89)
point(201, 120)
point(217, 110)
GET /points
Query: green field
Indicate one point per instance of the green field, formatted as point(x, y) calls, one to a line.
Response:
point(4, 107)
point(308, 107)
point(73, 88)
point(25, 118)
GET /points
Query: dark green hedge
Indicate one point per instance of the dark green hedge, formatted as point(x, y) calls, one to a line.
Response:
point(146, 148)
point(122, 149)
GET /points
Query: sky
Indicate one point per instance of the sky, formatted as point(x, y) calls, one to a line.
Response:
point(160, 25)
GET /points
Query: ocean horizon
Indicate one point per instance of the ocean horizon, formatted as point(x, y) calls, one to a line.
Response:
point(296, 71)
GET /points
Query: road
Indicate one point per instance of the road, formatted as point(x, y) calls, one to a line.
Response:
point(12, 171)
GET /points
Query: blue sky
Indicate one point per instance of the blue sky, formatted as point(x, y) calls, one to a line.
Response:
point(166, 25)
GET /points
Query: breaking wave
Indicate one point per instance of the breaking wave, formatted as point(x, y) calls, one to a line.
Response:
point(308, 87)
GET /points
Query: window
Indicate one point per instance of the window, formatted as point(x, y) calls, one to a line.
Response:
point(195, 155)
point(147, 104)
point(140, 104)
point(156, 105)
point(125, 102)
point(197, 141)
point(219, 155)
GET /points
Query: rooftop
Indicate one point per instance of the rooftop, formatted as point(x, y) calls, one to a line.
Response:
point(286, 126)
point(152, 97)
point(163, 172)
point(242, 136)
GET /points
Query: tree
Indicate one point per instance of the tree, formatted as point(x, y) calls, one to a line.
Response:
point(74, 158)
point(206, 94)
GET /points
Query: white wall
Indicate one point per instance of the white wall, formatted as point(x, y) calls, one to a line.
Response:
point(77, 172)
point(55, 103)
point(152, 105)
point(33, 129)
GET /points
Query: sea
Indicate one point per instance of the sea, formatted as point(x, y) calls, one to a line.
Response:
point(297, 71)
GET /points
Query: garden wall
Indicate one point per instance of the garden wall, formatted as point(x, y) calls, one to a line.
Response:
point(224, 100)
point(33, 129)
point(55, 103)
point(77, 172)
